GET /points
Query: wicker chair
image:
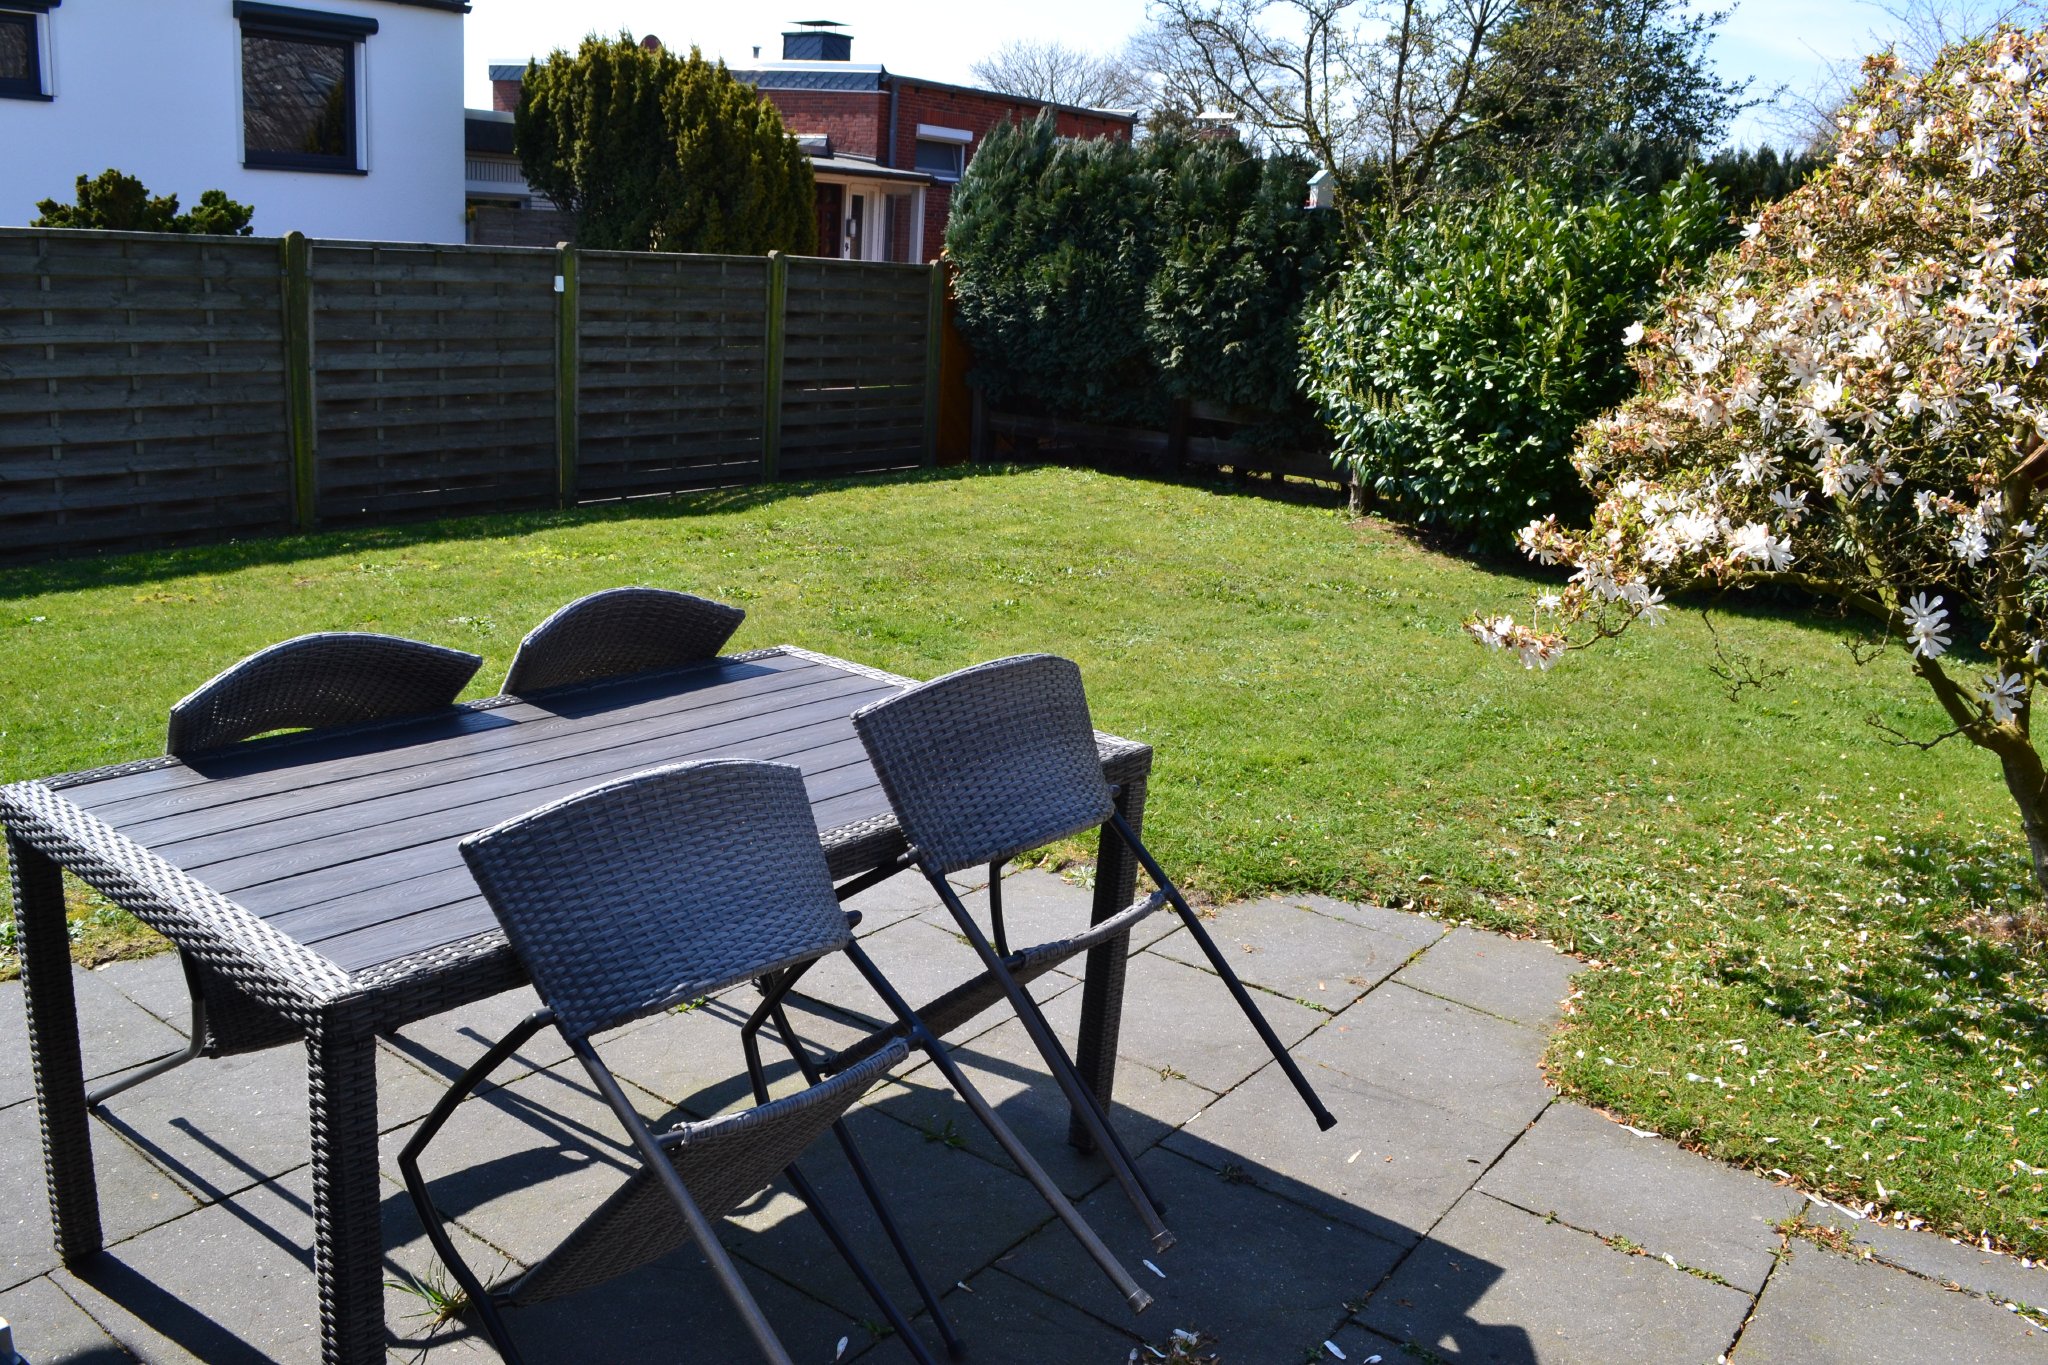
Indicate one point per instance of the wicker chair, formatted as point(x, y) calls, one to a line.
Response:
point(636, 895)
point(984, 764)
point(619, 631)
point(331, 678)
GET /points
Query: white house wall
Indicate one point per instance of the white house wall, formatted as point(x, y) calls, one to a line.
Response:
point(153, 88)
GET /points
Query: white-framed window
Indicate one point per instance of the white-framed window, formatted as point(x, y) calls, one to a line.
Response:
point(301, 88)
point(942, 152)
point(24, 49)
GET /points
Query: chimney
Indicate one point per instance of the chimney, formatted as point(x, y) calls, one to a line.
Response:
point(815, 40)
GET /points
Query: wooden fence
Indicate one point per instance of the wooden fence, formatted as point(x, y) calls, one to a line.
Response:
point(158, 389)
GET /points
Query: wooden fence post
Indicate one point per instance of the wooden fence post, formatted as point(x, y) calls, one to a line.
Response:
point(934, 346)
point(300, 423)
point(566, 386)
point(771, 365)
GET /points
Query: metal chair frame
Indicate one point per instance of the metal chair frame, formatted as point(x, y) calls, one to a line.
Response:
point(977, 691)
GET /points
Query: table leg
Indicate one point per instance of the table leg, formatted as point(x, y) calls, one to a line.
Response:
point(348, 1250)
point(1102, 991)
point(53, 1049)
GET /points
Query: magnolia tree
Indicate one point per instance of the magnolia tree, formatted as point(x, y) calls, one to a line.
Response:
point(1851, 403)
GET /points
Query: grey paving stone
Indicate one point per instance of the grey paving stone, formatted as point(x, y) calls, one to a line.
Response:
point(907, 893)
point(1300, 953)
point(1267, 1279)
point(1008, 1071)
point(114, 1034)
point(1181, 1019)
point(1004, 1321)
point(1822, 1308)
point(1596, 1175)
point(1361, 1347)
point(1437, 1051)
point(694, 1059)
point(1492, 1283)
point(957, 1211)
point(1520, 979)
point(1392, 1166)
point(134, 1195)
point(1419, 929)
point(52, 1330)
point(157, 983)
point(1939, 1258)
point(219, 1124)
point(921, 960)
point(447, 1044)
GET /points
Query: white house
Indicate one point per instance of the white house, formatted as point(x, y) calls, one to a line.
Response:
point(335, 118)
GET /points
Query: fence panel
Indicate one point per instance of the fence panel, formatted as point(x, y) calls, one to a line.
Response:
point(141, 391)
point(671, 372)
point(434, 379)
point(854, 367)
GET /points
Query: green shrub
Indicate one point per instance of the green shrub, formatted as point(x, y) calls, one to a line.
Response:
point(1455, 366)
point(114, 202)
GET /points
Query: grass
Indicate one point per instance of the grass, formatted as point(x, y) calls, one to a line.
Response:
point(1794, 922)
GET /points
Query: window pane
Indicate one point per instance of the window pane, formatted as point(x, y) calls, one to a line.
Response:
point(295, 96)
point(16, 35)
point(939, 158)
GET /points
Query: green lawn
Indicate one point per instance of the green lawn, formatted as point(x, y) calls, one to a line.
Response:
point(1777, 898)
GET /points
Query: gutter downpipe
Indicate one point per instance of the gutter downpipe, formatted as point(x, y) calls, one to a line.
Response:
point(893, 90)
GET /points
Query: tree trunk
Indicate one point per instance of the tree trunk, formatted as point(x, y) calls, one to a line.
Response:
point(2028, 783)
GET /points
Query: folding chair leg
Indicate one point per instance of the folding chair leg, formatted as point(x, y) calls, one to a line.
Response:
point(416, 1185)
point(954, 1346)
point(1079, 1097)
point(772, 1006)
point(868, 1282)
point(920, 1036)
point(1325, 1120)
point(995, 908)
point(701, 1231)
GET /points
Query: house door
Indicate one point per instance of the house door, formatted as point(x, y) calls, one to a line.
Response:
point(831, 198)
point(856, 220)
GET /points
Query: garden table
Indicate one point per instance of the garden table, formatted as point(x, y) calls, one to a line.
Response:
point(319, 872)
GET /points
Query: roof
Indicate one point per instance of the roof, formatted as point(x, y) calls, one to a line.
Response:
point(508, 71)
point(848, 76)
point(866, 169)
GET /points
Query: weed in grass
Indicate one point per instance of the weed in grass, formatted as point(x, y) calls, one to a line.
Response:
point(1837, 937)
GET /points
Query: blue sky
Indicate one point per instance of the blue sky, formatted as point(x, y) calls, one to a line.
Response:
point(1778, 42)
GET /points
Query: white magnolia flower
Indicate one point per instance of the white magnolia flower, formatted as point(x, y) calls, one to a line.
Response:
point(2003, 694)
point(1755, 542)
point(1926, 625)
point(1632, 335)
point(1756, 466)
point(1792, 504)
point(1549, 601)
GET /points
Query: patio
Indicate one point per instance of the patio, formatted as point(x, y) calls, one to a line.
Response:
point(1458, 1206)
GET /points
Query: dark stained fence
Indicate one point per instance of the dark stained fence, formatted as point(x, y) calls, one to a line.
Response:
point(141, 392)
point(157, 389)
point(672, 363)
point(434, 380)
point(854, 367)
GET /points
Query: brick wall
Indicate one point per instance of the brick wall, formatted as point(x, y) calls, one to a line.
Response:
point(853, 119)
point(505, 96)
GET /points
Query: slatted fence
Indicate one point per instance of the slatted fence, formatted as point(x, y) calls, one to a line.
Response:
point(158, 389)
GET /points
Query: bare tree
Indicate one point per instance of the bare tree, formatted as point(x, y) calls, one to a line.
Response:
point(1064, 75)
point(1385, 85)
point(1915, 29)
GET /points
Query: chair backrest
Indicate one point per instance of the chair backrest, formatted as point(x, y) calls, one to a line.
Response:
point(332, 678)
point(660, 887)
point(619, 631)
point(985, 763)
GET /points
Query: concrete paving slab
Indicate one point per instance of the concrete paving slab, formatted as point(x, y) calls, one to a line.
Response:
point(1392, 1166)
point(918, 957)
point(1822, 1308)
point(1182, 1020)
point(221, 1124)
point(52, 1330)
point(1525, 980)
point(446, 1044)
point(1039, 907)
point(1418, 929)
point(1004, 1321)
point(157, 983)
point(1939, 1258)
point(1268, 1279)
point(1597, 1175)
point(1493, 1283)
point(134, 1195)
point(114, 1034)
point(1297, 952)
point(1361, 1347)
point(1435, 1050)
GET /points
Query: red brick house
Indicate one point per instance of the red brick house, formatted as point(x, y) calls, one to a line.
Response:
point(886, 149)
